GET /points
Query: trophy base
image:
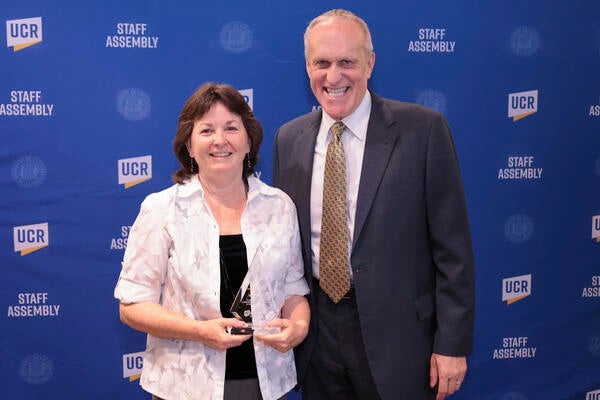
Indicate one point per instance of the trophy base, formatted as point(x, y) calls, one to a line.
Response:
point(253, 330)
point(245, 330)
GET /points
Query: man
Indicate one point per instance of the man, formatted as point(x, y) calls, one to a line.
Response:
point(403, 326)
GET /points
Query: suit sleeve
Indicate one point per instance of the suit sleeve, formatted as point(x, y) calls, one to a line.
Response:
point(450, 243)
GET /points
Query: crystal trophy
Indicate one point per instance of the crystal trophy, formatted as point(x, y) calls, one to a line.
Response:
point(256, 303)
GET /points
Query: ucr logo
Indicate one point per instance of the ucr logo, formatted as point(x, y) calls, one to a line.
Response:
point(22, 33)
point(248, 95)
point(29, 238)
point(516, 288)
point(596, 227)
point(522, 104)
point(133, 171)
point(132, 365)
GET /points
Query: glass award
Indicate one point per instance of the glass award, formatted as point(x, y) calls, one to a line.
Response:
point(256, 303)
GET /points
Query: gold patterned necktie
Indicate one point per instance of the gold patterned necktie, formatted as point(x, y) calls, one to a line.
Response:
point(334, 272)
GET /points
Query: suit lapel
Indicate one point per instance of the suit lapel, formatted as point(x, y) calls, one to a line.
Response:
point(304, 153)
point(379, 143)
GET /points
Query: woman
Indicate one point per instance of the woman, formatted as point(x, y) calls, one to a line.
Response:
point(189, 250)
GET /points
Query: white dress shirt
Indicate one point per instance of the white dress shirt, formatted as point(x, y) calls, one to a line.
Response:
point(172, 258)
point(354, 147)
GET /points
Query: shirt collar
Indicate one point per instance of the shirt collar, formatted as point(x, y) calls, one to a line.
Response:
point(190, 186)
point(255, 187)
point(356, 122)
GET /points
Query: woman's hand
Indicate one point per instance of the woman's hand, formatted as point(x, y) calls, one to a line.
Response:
point(213, 333)
point(293, 324)
point(158, 321)
point(292, 334)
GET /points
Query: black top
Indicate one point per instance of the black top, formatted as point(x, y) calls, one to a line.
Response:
point(241, 363)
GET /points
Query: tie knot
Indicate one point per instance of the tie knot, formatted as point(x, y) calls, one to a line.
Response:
point(337, 129)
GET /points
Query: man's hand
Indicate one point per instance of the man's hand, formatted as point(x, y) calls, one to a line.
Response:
point(447, 373)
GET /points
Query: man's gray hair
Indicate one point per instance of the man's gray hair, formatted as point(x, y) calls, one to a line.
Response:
point(340, 13)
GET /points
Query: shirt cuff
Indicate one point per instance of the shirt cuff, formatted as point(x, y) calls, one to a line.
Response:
point(128, 291)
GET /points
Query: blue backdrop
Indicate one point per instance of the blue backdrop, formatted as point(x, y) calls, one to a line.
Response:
point(89, 101)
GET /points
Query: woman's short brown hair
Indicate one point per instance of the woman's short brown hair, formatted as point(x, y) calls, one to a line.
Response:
point(199, 104)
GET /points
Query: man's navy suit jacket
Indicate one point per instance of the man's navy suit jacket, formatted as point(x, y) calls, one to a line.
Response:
point(411, 256)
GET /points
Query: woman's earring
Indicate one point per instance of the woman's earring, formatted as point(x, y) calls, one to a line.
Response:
point(192, 165)
point(248, 161)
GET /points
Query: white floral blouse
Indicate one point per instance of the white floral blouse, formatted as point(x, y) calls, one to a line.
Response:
point(172, 258)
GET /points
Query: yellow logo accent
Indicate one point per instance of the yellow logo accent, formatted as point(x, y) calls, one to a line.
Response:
point(134, 377)
point(516, 299)
point(31, 250)
point(130, 184)
point(521, 116)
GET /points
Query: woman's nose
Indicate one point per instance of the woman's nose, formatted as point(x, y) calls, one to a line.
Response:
point(219, 136)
